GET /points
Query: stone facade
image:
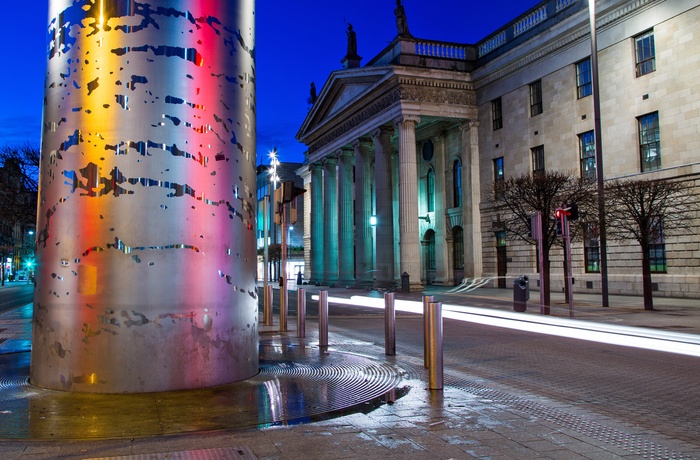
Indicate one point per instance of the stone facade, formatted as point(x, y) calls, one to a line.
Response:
point(423, 108)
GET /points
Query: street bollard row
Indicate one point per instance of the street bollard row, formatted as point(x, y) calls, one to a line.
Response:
point(432, 328)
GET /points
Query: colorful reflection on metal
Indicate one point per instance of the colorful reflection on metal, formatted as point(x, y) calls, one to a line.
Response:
point(146, 221)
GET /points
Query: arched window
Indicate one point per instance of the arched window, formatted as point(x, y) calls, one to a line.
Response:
point(430, 250)
point(457, 183)
point(430, 190)
point(458, 248)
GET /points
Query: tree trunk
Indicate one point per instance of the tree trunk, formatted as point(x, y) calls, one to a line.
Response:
point(545, 277)
point(646, 278)
point(566, 280)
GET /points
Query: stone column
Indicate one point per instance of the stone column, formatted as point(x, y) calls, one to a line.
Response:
point(442, 261)
point(385, 220)
point(330, 221)
point(471, 199)
point(408, 200)
point(146, 279)
point(316, 225)
point(346, 213)
point(396, 237)
point(363, 213)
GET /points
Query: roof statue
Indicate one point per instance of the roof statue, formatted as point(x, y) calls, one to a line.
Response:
point(313, 95)
point(352, 42)
point(401, 23)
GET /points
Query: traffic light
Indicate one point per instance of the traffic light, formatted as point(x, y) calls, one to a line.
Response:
point(290, 191)
point(573, 211)
point(560, 215)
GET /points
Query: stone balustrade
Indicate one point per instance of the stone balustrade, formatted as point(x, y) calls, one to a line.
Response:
point(440, 50)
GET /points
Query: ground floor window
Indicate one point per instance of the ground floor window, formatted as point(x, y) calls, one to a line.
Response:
point(591, 246)
point(657, 257)
point(458, 248)
point(430, 250)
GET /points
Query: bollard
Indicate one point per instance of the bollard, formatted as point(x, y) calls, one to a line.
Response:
point(267, 314)
point(301, 313)
point(426, 330)
point(322, 318)
point(284, 302)
point(389, 324)
point(435, 372)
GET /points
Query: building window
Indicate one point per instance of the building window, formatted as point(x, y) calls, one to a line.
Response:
point(657, 249)
point(649, 141)
point(430, 250)
point(498, 175)
point(583, 79)
point(538, 160)
point(497, 114)
point(591, 246)
point(645, 53)
point(536, 98)
point(457, 183)
point(430, 190)
point(586, 146)
point(458, 248)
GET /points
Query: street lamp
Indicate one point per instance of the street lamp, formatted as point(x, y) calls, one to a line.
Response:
point(599, 157)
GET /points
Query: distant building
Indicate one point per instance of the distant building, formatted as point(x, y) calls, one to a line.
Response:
point(417, 138)
point(17, 222)
point(295, 232)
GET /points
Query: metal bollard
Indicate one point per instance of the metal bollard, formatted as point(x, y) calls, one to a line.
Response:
point(322, 318)
point(284, 302)
point(301, 313)
point(267, 313)
point(426, 330)
point(435, 371)
point(389, 324)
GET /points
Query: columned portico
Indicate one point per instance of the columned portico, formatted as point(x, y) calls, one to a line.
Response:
point(408, 200)
point(316, 224)
point(346, 257)
point(330, 221)
point(471, 198)
point(385, 220)
point(363, 213)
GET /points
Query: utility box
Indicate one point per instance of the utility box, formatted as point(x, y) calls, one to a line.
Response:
point(521, 290)
point(405, 282)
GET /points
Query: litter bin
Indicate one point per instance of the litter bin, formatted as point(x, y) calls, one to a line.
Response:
point(405, 285)
point(520, 291)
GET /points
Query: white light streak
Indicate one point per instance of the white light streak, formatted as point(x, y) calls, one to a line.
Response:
point(627, 336)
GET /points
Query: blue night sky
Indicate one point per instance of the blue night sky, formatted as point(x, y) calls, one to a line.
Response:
point(298, 41)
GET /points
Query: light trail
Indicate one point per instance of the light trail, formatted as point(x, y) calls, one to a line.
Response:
point(626, 336)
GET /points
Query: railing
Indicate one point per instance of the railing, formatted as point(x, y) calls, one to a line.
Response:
point(441, 50)
point(492, 43)
point(530, 21)
point(523, 24)
point(561, 4)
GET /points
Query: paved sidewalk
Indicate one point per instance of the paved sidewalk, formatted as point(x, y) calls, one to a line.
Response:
point(471, 418)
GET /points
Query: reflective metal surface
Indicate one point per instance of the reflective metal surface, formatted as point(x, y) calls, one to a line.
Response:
point(146, 225)
point(296, 384)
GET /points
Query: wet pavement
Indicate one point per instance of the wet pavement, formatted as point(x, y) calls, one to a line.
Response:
point(346, 401)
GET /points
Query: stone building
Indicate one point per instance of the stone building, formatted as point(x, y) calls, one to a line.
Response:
point(403, 152)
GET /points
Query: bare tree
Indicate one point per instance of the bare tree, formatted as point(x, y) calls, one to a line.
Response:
point(19, 173)
point(648, 211)
point(519, 197)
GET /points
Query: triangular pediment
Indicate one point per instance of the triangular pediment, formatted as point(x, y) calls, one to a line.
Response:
point(343, 90)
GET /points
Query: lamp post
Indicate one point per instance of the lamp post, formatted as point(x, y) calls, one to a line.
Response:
point(599, 157)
